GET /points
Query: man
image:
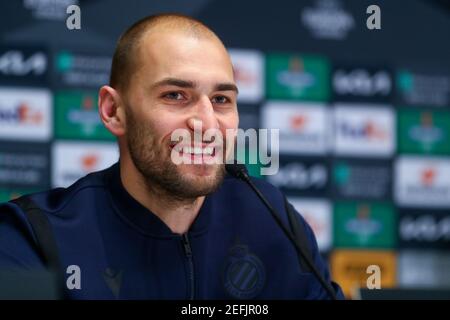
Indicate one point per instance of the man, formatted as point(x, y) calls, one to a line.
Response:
point(148, 228)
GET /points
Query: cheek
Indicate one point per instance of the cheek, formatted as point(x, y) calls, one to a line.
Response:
point(161, 122)
point(231, 121)
point(229, 128)
point(167, 127)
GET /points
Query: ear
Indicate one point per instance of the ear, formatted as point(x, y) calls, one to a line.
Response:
point(111, 110)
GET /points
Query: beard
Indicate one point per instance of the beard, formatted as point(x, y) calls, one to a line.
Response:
point(160, 174)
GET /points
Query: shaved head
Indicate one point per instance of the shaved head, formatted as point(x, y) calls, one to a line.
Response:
point(126, 56)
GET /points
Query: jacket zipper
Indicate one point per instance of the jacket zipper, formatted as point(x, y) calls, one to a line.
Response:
point(188, 252)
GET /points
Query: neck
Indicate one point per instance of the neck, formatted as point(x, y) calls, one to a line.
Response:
point(177, 213)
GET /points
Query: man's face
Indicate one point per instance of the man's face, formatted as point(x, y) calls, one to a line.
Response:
point(180, 82)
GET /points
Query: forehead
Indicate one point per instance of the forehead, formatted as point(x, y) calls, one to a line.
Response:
point(178, 54)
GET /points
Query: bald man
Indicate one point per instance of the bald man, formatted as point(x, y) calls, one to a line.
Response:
point(150, 228)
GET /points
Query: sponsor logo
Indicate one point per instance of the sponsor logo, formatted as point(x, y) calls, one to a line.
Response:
point(424, 228)
point(82, 70)
point(422, 182)
point(297, 77)
point(303, 126)
point(23, 65)
point(423, 268)
point(424, 132)
point(317, 212)
point(25, 114)
point(76, 116)
point(299, 176)
point(73, 160)
point(14, 63)
point(349, 268)
point(364, 131)
point(296, 175)
point(21, 114)
point(419, 88)
point(367, 130)
point(367, 180)
point(365, 83)
point(24, 165)
point(249, 74)
point(327, 19)
point(364, 225)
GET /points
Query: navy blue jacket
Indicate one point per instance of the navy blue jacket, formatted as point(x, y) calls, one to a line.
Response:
point(233, 250)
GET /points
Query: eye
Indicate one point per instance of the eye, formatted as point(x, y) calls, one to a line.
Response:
point(221, 99)
point(173, 95)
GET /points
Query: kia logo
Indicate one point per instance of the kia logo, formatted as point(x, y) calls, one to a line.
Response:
point(295, 175)
point(360, 82)
point(425, 228)
point(14, 63)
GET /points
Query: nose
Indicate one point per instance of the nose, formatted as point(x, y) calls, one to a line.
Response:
point(203, 115)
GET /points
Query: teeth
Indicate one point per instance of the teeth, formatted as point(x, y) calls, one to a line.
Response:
point(198, 150)
point(208, 150)
point(195, 150)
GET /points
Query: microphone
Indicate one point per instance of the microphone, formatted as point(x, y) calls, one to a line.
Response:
point(239, 171)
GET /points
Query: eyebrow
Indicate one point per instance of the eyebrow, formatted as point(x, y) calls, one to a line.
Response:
point(191, 84)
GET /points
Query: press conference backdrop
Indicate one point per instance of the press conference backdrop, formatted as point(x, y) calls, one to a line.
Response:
point(364, 115)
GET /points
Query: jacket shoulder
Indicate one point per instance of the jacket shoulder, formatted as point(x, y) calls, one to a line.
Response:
point(17, 239)
point(54, 200)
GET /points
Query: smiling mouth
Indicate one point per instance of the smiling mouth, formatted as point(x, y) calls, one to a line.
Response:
point(196, 151)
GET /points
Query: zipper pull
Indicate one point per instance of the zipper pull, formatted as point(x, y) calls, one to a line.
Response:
point(187, 245)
